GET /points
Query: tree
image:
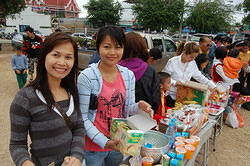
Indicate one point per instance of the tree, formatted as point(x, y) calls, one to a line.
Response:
point(103, 12)
point(10, 7)
point(209, 16)
point(159, 14)
point(246, 8)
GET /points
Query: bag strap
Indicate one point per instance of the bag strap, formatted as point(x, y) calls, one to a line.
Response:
point(65, 116)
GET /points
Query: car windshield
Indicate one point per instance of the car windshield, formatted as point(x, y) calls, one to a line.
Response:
point(18, 37)
point(38, 32)
point(170, 46)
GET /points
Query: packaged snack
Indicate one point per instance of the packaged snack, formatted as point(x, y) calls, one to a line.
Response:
point(130, 132)
point(165, 160)
point(171, 154)
point(130, 143)
point(174, 162)
point(180, 157)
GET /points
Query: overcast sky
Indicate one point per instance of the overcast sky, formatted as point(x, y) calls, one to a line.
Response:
point(238, 16)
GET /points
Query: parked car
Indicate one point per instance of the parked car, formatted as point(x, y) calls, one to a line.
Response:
point(81, 35)
point(17, 40)
point(162, 42)
point(38, 33)
point(181, 37)
point(241, 36)
point(196, 37)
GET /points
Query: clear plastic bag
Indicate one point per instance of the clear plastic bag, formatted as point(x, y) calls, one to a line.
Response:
point(232, 119)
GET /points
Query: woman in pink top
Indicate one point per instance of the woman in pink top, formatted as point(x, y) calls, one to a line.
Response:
point(107, 91)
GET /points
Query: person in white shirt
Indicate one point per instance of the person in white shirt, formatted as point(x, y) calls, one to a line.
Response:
point(182, 68)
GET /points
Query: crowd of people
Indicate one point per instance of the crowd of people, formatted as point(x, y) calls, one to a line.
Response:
point(68, 115)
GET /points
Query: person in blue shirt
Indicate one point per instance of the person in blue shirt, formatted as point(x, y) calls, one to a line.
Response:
point(19, 64)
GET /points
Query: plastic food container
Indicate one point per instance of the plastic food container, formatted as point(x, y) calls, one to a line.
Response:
point(135, 161)
point(179, 144)
point(147, 161)
point(190, 141)
point(190, 151)
point(196, 140)
point(180, 139)
point(180, 150)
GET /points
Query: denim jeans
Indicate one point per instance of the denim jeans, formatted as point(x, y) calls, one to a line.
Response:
point(109, 158)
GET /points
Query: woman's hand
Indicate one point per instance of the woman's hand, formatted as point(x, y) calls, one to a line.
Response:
point(18, 71)
point(112, 144)
point(178, 83)
point(72, 161)
point(28, 163)
point(146, 108)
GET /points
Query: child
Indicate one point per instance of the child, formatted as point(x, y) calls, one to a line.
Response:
point(19, 64)
point(217, 72)
point(232, 65)
point(107, 90)
point(202, 62)
point(165, 84)
point(154, 56)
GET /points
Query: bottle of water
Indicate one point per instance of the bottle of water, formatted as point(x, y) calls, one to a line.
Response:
point(170, 132)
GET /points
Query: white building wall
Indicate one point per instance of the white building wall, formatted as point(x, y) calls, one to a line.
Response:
point(127, 14)
point(40, 22)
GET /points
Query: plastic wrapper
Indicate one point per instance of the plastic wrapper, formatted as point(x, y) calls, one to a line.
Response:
point(218, 98)
point(189, 118)
point(232, 120)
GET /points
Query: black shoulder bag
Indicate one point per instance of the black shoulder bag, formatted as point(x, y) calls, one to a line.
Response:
point(65, 116)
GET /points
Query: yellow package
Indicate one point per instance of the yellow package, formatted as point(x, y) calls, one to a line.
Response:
point(130, 140)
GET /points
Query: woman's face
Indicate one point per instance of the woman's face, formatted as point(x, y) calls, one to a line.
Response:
point(60, 61)
point(110, 51)
point(204, 65)
point(188, 57)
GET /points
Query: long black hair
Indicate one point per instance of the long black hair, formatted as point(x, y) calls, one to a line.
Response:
point(69, 82)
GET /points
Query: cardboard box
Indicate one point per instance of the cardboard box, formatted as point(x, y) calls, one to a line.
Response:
point(192, 91)
point(131, 139)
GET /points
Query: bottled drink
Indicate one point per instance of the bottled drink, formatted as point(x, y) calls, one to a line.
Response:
point(170, 132)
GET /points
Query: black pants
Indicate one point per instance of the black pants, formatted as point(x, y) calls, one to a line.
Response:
point(237, 87)
point(169, 101)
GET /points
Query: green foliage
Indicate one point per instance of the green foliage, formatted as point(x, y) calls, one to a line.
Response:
point(103, 12)
point(10, 7)
point(246, 8)
point(246, 5)
point(209, 16)
point(159, 14)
